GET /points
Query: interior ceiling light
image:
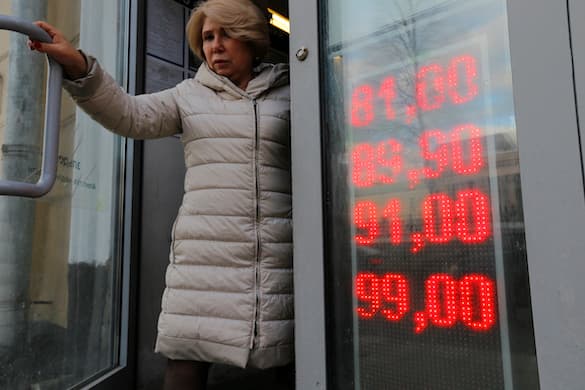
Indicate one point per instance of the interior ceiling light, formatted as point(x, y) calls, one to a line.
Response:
point(279, 21)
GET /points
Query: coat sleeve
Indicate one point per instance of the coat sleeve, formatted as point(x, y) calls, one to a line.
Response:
point(147, 116)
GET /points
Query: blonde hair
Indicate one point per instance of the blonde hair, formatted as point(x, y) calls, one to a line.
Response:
point(240, 19)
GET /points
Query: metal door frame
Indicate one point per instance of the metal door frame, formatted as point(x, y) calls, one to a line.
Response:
point(124, 375)
point(576, 8)
point(552, 186)
point(307, 197)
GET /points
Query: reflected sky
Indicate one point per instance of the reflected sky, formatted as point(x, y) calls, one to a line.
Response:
point(396, 38)
point(350, 19)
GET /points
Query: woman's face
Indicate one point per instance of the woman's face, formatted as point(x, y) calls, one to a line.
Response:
point(227, 56)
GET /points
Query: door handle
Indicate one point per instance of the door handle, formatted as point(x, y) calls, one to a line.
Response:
point(52, 112)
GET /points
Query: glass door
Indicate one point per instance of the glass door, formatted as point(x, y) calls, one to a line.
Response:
point(428, 211)
point(60, 256)
point(449, 192)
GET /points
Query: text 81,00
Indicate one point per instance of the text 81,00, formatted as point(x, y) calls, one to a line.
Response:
point(432, 87)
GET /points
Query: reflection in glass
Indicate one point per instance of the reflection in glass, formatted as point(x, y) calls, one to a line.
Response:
point(60, 254)
point(423, 183)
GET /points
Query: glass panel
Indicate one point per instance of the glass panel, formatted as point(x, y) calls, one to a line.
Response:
point(427, 276)
point(60, 254)
point(22, 106)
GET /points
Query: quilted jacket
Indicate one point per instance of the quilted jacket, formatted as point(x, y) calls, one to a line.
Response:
point(229, 289)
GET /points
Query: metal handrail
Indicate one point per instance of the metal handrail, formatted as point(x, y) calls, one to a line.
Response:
point(52, 112)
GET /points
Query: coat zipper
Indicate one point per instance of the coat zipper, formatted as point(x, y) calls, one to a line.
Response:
point(256, 227)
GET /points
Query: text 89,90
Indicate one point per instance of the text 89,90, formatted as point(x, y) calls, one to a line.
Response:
point(460, 151)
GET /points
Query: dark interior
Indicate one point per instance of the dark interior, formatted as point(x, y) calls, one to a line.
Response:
point(167, 60)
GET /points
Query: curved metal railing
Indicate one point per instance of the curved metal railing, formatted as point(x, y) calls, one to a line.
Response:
point(52, 110)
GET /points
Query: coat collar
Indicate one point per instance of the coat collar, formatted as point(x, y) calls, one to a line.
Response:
point(268, 76)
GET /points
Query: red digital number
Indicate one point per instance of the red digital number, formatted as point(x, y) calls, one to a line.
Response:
point(392, 215)
point(472, 301)
point(388, 93)
point(478, 291)
point(367, 290)
point(473, 216)
point(388, 295)
point(462, 148)
point(475, 154)
point(363, 166)
point(430, 87)
point(469, 301)
point(467, 218)
point(433, 85)
point(434, 147)
point(365, 218)
point(447, 301)
point(362, 106)
point(453, 81)
point(379, 163)
point(438, 218)
point(441, 300)
point(388, 155)
point(395, 291)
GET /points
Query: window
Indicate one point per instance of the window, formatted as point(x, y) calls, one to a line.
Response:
point(426, 266)
point(60, 263)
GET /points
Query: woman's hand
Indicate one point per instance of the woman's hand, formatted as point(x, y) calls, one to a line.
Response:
point(72, 61)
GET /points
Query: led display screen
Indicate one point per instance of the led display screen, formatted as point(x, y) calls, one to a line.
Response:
point(426, 262)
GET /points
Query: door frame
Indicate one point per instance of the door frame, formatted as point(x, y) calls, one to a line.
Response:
point(550, 159)
point(124, 375)
point(577, 32)
point(307, 197)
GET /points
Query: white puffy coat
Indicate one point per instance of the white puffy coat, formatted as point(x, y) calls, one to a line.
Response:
point(229, 290)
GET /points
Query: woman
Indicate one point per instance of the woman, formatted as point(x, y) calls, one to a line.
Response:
point(228, 296)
